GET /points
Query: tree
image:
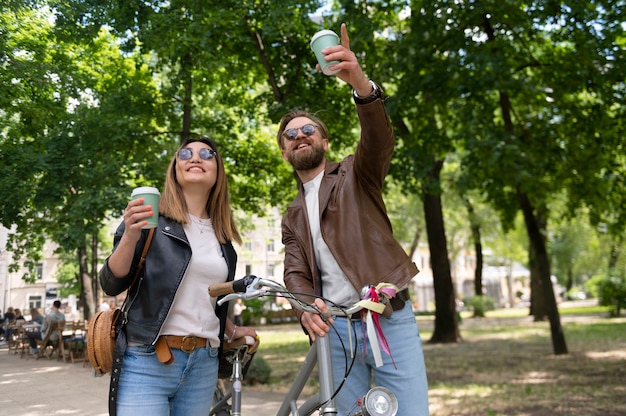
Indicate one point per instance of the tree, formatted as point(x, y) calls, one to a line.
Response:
point(79, 119)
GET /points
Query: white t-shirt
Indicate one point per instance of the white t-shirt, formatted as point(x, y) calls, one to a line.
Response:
point(335, 285)
point(193, 310)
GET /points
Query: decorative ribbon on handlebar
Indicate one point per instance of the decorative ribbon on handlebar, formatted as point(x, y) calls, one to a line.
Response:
point(376, 299)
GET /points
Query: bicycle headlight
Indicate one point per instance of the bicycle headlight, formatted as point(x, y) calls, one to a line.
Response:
point(379, 401)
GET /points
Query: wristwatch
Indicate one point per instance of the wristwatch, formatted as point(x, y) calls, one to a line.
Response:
point(375, 94)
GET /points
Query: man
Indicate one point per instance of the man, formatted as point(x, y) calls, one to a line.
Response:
point(55, 315)
point(338, 240)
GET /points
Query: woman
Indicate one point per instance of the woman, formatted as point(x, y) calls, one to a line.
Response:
point(35, 316)
point(19, 317)
point(172, 312)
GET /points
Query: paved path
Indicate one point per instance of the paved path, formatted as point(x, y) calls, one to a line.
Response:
point(30, 387)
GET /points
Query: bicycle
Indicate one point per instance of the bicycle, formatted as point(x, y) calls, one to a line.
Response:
point(378, 401)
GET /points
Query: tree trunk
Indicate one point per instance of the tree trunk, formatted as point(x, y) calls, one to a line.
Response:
point(569, 284)
point(614, 255)
point(543, 266)
point(415, 242)
point(89, 307)
point(446, 325)
point(538, 308)
point(478, 248)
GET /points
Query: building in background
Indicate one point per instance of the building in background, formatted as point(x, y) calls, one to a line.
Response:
point(262, 254)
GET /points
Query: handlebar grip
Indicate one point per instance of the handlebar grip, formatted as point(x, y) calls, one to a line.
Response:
point(236, 286)
point(219, 289)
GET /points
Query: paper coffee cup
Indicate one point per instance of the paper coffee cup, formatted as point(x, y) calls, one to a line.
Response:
point(320, 40)
point(151, 197)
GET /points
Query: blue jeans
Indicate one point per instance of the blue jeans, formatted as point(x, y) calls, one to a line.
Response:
point(185, 387)
point(407, 380)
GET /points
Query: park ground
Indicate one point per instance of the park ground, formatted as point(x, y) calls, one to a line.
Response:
point(505, 365)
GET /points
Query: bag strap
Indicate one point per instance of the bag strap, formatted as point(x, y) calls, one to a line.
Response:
point(142, 261)
point(120, 339)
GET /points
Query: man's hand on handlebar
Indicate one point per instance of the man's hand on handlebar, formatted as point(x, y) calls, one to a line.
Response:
point(316, 324)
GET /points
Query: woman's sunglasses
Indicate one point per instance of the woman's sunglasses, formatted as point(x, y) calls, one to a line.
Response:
point(307, 130)
point(204, 153)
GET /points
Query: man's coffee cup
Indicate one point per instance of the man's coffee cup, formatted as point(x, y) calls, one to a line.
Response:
point(321, 40)
point(150, 197)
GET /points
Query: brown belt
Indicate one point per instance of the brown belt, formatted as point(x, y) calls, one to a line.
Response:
point(187, 343)
point(397, 303)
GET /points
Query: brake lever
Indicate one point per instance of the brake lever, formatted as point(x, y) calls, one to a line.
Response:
point(228, 297)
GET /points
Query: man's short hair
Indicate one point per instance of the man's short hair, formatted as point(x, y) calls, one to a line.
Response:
point(56, 303)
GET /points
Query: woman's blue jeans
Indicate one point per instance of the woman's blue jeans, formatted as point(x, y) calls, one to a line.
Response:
point(183, 388)
point(407, 380)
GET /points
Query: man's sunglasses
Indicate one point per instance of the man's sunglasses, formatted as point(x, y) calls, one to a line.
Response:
point(204, 153)
point(307, 130)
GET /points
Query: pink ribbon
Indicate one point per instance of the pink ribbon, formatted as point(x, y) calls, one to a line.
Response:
point(374, 295)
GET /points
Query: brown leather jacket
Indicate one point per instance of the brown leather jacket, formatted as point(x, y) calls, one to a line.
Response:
point(353, 218)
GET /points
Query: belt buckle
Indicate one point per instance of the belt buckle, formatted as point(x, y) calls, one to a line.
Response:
point(195, 344)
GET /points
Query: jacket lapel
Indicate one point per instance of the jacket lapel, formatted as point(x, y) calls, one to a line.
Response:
point(328, 184)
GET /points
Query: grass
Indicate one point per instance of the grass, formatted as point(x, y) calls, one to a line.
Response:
point(503, 366)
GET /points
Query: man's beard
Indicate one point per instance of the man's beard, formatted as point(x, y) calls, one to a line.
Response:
point(306, 161)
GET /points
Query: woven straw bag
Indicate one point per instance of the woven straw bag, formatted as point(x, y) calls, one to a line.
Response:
point(101, 339)
point(102, 328)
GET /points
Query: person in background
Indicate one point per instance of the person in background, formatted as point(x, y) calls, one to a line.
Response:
point(7, 320)
point(338, 242)
point(238, 309)
point(55, 315)
point(175, 330)
point(35, 316)
point(19, 317)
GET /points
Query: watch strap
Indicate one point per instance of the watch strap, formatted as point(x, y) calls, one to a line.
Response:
point(374, 95)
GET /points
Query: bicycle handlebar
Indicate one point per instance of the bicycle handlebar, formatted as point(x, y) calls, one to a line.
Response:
point(252, 287)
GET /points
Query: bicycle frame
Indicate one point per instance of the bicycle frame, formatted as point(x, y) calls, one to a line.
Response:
point(320, 348)
point(319, 355)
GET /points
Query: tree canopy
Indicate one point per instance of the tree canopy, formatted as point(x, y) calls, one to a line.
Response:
point(515, 105)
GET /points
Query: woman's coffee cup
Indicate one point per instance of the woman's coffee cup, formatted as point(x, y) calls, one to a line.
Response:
point(150, 197)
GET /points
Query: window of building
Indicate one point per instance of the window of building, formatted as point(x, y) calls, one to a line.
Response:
point(35, 301)
point(39, 271)
point(248, 269)
point(270, 270)
point(270, 245)
point(247, 245)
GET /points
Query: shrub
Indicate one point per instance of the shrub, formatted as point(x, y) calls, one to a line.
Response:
point(258, 372)
point(480, 304)
point(612, 292)
point(255, 309)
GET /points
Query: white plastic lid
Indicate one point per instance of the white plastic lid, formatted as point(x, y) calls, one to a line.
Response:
point(145, 190)
point(323, 33)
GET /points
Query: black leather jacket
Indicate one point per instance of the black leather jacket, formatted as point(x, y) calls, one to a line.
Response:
point(169, 255)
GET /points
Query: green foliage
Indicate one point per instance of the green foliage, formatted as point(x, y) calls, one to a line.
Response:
point(612, 292)
point(481, 304)
point(259, 371)
point(100, 94)
point(255, 309)
point(67, 277)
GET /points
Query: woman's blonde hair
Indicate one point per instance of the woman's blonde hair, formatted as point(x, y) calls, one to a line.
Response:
point(173, 203)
